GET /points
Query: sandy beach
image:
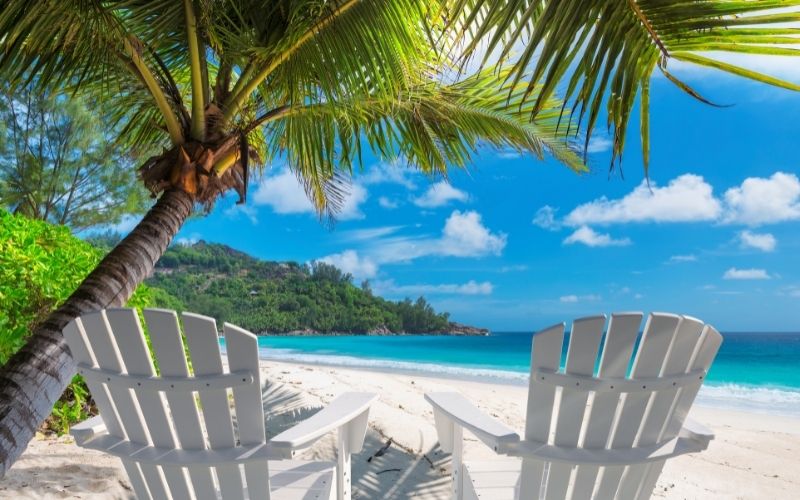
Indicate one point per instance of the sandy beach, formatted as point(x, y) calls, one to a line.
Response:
point(754, 456)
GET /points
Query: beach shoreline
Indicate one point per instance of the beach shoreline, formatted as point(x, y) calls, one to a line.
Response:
point(753, 456)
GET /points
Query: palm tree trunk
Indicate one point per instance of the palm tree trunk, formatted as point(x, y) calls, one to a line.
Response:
point(34, 378)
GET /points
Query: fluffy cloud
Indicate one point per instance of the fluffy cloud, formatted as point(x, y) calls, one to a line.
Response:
point(764, 201)
point(387, 203)
point(283, 193)
point(125, 224)
point(599, 144)
point(350, 262)
point(590, 237)
point(471, 287)
point(687, 198)
point(765, 242)
point(463, 235)
point(439, 195)
point(389, 173)
point(745, 274)
point(573, 299)
point(546, 218)
point(683, 258)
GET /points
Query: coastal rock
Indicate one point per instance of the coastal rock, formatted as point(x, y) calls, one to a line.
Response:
point(462, 329)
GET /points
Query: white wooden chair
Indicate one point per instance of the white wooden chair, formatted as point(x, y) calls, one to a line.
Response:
point(174, 431)
point(597, 429)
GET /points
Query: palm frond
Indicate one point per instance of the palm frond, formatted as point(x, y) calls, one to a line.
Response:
point(605, 52)
point(433, 127)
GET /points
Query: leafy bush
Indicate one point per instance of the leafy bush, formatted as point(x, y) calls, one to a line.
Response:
point(40, 266)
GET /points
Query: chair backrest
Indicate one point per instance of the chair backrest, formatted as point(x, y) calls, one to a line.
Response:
point(176, 424)
point(604, 398)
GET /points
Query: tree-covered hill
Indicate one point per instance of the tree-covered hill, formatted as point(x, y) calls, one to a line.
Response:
point(283, 297)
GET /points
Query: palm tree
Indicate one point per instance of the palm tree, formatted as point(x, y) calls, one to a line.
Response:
point(224, 86)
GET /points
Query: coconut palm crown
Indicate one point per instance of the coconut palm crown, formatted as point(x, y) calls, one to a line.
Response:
point(222, 87)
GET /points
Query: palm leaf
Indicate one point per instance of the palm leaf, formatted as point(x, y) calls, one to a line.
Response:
point(605, 51)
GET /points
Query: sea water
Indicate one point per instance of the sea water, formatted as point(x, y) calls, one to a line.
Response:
point(753, 371)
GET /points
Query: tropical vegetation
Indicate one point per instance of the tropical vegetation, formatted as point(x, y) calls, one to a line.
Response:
point(281, 297)
point(59, 162)
point(225, 86)
point(40, 265)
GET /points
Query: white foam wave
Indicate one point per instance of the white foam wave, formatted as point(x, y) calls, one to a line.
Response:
point(775, 401)
point(497, 375)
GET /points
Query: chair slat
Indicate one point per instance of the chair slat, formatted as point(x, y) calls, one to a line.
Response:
point(545, 354)
point(708, 346)
point(615, 358)
point(242, 350)
point(678, 362)
point(584, 342)
point(201, 336)
point(133, 349)
point(107, 355)
point(650, 360)
point(166, 339)
point(82, 353)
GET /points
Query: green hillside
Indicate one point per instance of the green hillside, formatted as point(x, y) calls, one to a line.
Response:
point(285, 297)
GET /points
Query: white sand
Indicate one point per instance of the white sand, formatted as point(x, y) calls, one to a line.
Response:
point(754, 456)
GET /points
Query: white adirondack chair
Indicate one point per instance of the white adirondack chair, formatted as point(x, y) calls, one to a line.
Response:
point(171, 449)
point(597, 429)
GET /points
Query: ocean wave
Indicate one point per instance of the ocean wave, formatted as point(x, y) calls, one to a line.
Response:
point(761, 399)
point(455, 371)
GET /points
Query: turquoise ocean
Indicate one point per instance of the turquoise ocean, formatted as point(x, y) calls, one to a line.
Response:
point(753, 371)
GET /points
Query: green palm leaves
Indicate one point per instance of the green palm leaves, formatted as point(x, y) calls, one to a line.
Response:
point(315, 82)
point(604, 52)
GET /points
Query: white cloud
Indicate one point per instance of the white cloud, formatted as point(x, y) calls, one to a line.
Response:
point(125, 224)
point(369, 233)
point(513, 269)
point(463, 235)
point(350, 262)
point(439, 195)
point(573, 299)
point(546, 218)
point(389, 173)
point(471, 287)
point(746, 274)
point(283, 193)
point(508, 154)
point(599, 144)
point(590, 237)
point(765, 242)
point(188, 241)
point(248, 211)
point(687, 198)
point(387, 203)
point(683, 258)
point(764, 200)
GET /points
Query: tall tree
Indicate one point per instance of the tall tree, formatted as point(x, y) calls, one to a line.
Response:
point(226, 85)
point(59, 163)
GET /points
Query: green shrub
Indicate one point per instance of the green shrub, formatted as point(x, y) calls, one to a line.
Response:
point(40, 266)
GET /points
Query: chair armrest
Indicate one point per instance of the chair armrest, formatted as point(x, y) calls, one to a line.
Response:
point(350, 409)
point(696, 431)
point(88, 429)
point(451, 408)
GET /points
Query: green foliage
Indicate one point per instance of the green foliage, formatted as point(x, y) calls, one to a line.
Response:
point(272, 297)
point(602, 54)
point(40, 266)
point(59, 162)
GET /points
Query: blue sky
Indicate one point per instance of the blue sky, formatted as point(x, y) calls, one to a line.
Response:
point(516, 243)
